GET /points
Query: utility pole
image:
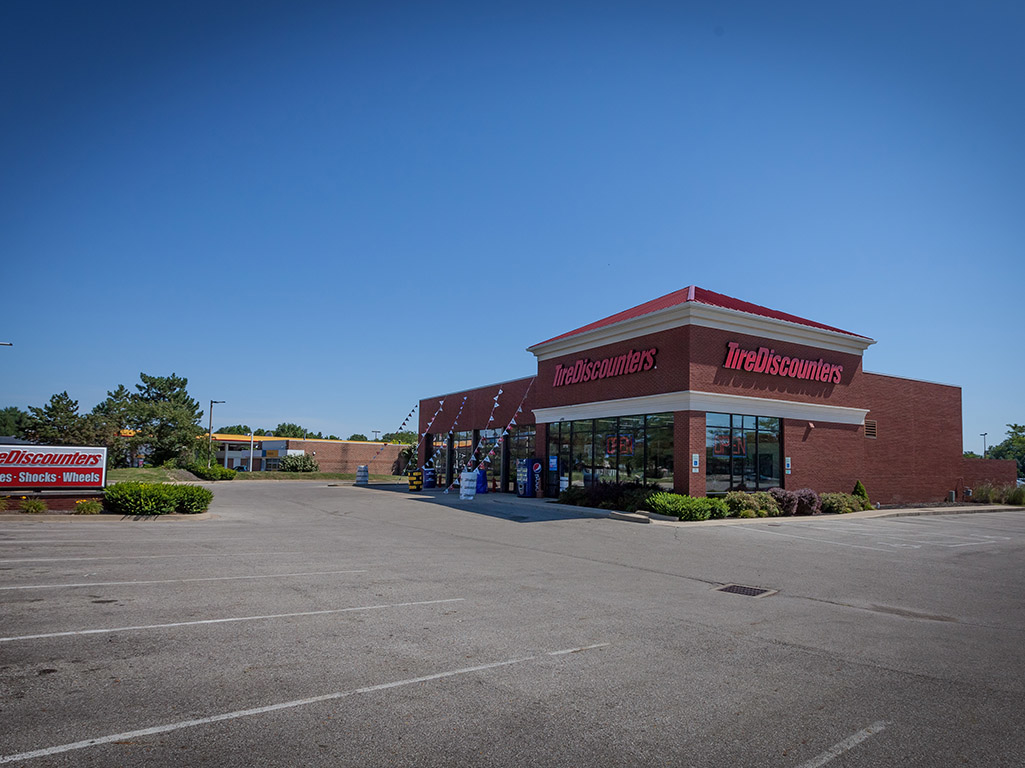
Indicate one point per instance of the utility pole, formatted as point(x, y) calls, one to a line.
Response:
point(210, 433)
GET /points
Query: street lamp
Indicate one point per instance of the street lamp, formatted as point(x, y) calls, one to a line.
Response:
point(210, 432)
point(376, 433)
point(983, 434)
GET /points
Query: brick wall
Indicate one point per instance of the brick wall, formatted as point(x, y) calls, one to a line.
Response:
point(688, 438)
point(457, 416)
point(347, 455)
point(825, 457)
point(996, 471)
point(916, 456)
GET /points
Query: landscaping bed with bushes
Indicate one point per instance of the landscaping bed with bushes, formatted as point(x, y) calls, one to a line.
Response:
point(776, 502)
point(129, 498)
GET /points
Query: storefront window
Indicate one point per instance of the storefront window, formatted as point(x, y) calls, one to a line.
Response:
point(582, 452)
point(606, 449)
point(658, 442)
point(625, 449)
point(489, 442)
point(519, 445)
point(631, 449)
point(439, 458)
point(462, 448)
point(768, 453)
point(741, 453)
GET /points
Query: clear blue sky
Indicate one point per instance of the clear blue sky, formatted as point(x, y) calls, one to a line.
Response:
point(321, 212)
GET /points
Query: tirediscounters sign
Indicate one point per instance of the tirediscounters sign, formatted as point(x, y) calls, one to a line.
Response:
point(46, 466)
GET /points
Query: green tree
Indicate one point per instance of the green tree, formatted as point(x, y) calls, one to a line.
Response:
point(1011, 448)
point(234, 429)
point(59, 423)
point(13, 421)
point(299, 463)
point(407, 438)
point(112, 419)
point(166, 417)
point(289, 429)
point(358, 436)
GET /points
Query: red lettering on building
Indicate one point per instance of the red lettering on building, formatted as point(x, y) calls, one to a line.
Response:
point(765, 360)
point(586, 369)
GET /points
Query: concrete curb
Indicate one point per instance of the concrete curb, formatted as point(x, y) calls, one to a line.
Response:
point(871, 514)
point(106, 518)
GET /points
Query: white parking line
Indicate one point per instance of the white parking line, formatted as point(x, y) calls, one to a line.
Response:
point(226, 621)
point(752, 529)
point(142, 557)
point(283, 705)
point(174, 581)
point(847, 744)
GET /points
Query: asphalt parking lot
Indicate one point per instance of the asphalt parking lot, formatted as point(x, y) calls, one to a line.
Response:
point(307, 625)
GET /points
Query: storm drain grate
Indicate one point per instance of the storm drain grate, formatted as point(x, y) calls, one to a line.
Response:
point(740, 589)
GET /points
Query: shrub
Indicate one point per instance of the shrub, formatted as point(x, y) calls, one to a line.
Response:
point(3, 504)
point(88, 507)
point(989, 493)
point(191, 499)
point(575, 496)
point(785, 500)
point(862, 494)
point(767, 506)
point(33, 506)
point(686, 507)
point(808, 502)
point(841, 503)
point(739, 503)
point(626, 497)
point(1016, 496)
point(299, 463)
point(156, 499)
point(213, 472)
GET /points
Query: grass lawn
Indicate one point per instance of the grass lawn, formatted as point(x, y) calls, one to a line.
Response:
point(147, 475)
point(164, 475)
point(340, 477)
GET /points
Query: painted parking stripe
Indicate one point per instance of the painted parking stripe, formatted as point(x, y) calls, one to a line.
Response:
point(752, 529)
point(145, 557)
point(175, 581)
point(284, 705)
point(227, 621)
point(845, 746)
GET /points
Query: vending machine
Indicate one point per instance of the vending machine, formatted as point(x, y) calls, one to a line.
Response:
point(528, 477)
point(554, 479)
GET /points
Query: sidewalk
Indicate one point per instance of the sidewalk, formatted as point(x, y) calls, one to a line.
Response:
point(550, 505)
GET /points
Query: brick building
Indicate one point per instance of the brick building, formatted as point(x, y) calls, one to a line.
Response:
point(703, 393)
point(263, 454)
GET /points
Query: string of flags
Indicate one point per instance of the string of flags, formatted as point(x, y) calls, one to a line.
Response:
point(505, 432)
point(401, 427)
point(501, 438)
point(427, 431)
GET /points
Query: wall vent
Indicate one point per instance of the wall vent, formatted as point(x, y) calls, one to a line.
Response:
point(870, 429)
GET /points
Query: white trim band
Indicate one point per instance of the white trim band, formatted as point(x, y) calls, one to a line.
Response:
point(707, 316)
point(703, 401)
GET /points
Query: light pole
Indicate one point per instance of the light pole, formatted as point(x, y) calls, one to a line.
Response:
point(376, 433)
point(210, 432)
point(983, 434)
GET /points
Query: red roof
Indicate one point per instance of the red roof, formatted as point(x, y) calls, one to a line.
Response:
point(700, 296)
